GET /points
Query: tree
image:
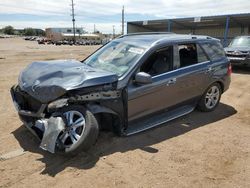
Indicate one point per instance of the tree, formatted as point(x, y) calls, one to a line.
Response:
point(29, 32)
point(40, 32)
point(8, 30)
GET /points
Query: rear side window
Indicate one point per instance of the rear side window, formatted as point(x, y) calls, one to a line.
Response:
point(188, 54)
point(214, 50)
point(191, 54)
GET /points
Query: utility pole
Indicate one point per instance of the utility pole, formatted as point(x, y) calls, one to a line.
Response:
point(94, 28)
point(113, 31)
point(73, 20)
point(123, 20)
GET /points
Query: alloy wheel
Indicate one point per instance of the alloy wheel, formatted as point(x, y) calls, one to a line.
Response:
point(75, 128)
point(212, 97)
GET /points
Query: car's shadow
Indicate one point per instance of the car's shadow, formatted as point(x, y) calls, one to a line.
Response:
point(108, 143)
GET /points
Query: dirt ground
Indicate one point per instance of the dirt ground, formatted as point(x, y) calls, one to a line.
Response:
point(197, 150)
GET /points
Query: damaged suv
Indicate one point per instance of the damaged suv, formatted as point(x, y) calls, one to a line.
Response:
point(131, 84)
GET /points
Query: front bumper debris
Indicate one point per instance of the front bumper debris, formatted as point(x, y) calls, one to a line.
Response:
point(52, 128)
point(46, 130)
point(23, 103)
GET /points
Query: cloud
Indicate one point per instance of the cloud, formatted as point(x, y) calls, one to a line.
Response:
point(106, 13)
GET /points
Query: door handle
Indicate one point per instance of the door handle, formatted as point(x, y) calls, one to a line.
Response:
point(171, 81)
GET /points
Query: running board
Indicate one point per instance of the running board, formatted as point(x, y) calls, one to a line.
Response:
point(157, 120)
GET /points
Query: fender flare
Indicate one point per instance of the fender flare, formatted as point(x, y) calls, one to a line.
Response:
point(95, 109)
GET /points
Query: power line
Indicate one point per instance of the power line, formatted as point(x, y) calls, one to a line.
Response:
point(62, 14)
point(98, 17)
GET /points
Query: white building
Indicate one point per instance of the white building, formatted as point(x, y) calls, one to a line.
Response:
point(56, 34)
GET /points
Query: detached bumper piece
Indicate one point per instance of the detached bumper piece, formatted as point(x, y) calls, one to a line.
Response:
point(46, 130)
point(53, 127)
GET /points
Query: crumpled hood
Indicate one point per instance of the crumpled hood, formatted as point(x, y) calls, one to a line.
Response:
point(48, 80)
point(243, 48)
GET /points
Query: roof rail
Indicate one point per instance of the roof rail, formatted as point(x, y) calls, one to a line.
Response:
point(145, 33)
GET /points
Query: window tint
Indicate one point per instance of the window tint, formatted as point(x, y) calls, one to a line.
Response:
point(214, 50)
point(188, 54)
point(202, 57)
point(159, 62)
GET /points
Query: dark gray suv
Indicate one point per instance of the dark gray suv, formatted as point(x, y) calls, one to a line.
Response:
point(131, 84)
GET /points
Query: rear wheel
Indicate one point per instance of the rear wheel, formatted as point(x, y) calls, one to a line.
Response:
point(211, 98)
point(81, 130)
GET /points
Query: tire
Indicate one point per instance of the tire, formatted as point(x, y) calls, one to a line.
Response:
point(213, 94)
point(86, 138)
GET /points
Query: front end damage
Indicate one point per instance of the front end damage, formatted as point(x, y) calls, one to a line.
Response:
point(32, 114)
point(45, 88)
point(45, 120)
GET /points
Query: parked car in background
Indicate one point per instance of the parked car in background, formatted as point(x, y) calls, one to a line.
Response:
point(131, 84)
point(41, 41)
point(50, 42)
point(58, 43)
point(238, 51)
point(65, 42)
point(27, 38)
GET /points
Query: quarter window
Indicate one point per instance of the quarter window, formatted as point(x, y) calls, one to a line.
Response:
point(191, 54)
point(214, 50)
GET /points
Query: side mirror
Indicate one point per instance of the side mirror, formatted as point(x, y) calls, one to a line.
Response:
point(143, 78)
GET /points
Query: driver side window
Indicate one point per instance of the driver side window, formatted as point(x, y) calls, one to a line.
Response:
point(161, 61)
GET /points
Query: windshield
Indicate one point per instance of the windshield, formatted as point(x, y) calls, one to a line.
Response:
point(241, 41)
point(116, 57)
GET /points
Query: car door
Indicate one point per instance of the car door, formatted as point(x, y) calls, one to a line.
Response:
point(192, 73)
point(150, 98)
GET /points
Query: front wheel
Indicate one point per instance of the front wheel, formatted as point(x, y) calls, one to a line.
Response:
point(211, 98)
point(81, 130)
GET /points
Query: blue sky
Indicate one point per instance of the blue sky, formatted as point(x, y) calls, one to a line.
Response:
point(105, 13)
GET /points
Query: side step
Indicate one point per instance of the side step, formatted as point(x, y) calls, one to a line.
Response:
point(156, 120)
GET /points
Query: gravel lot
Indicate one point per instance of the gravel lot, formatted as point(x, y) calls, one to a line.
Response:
point(197, 150)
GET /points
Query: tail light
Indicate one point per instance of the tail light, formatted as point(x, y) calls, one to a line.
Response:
point(229, 69)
